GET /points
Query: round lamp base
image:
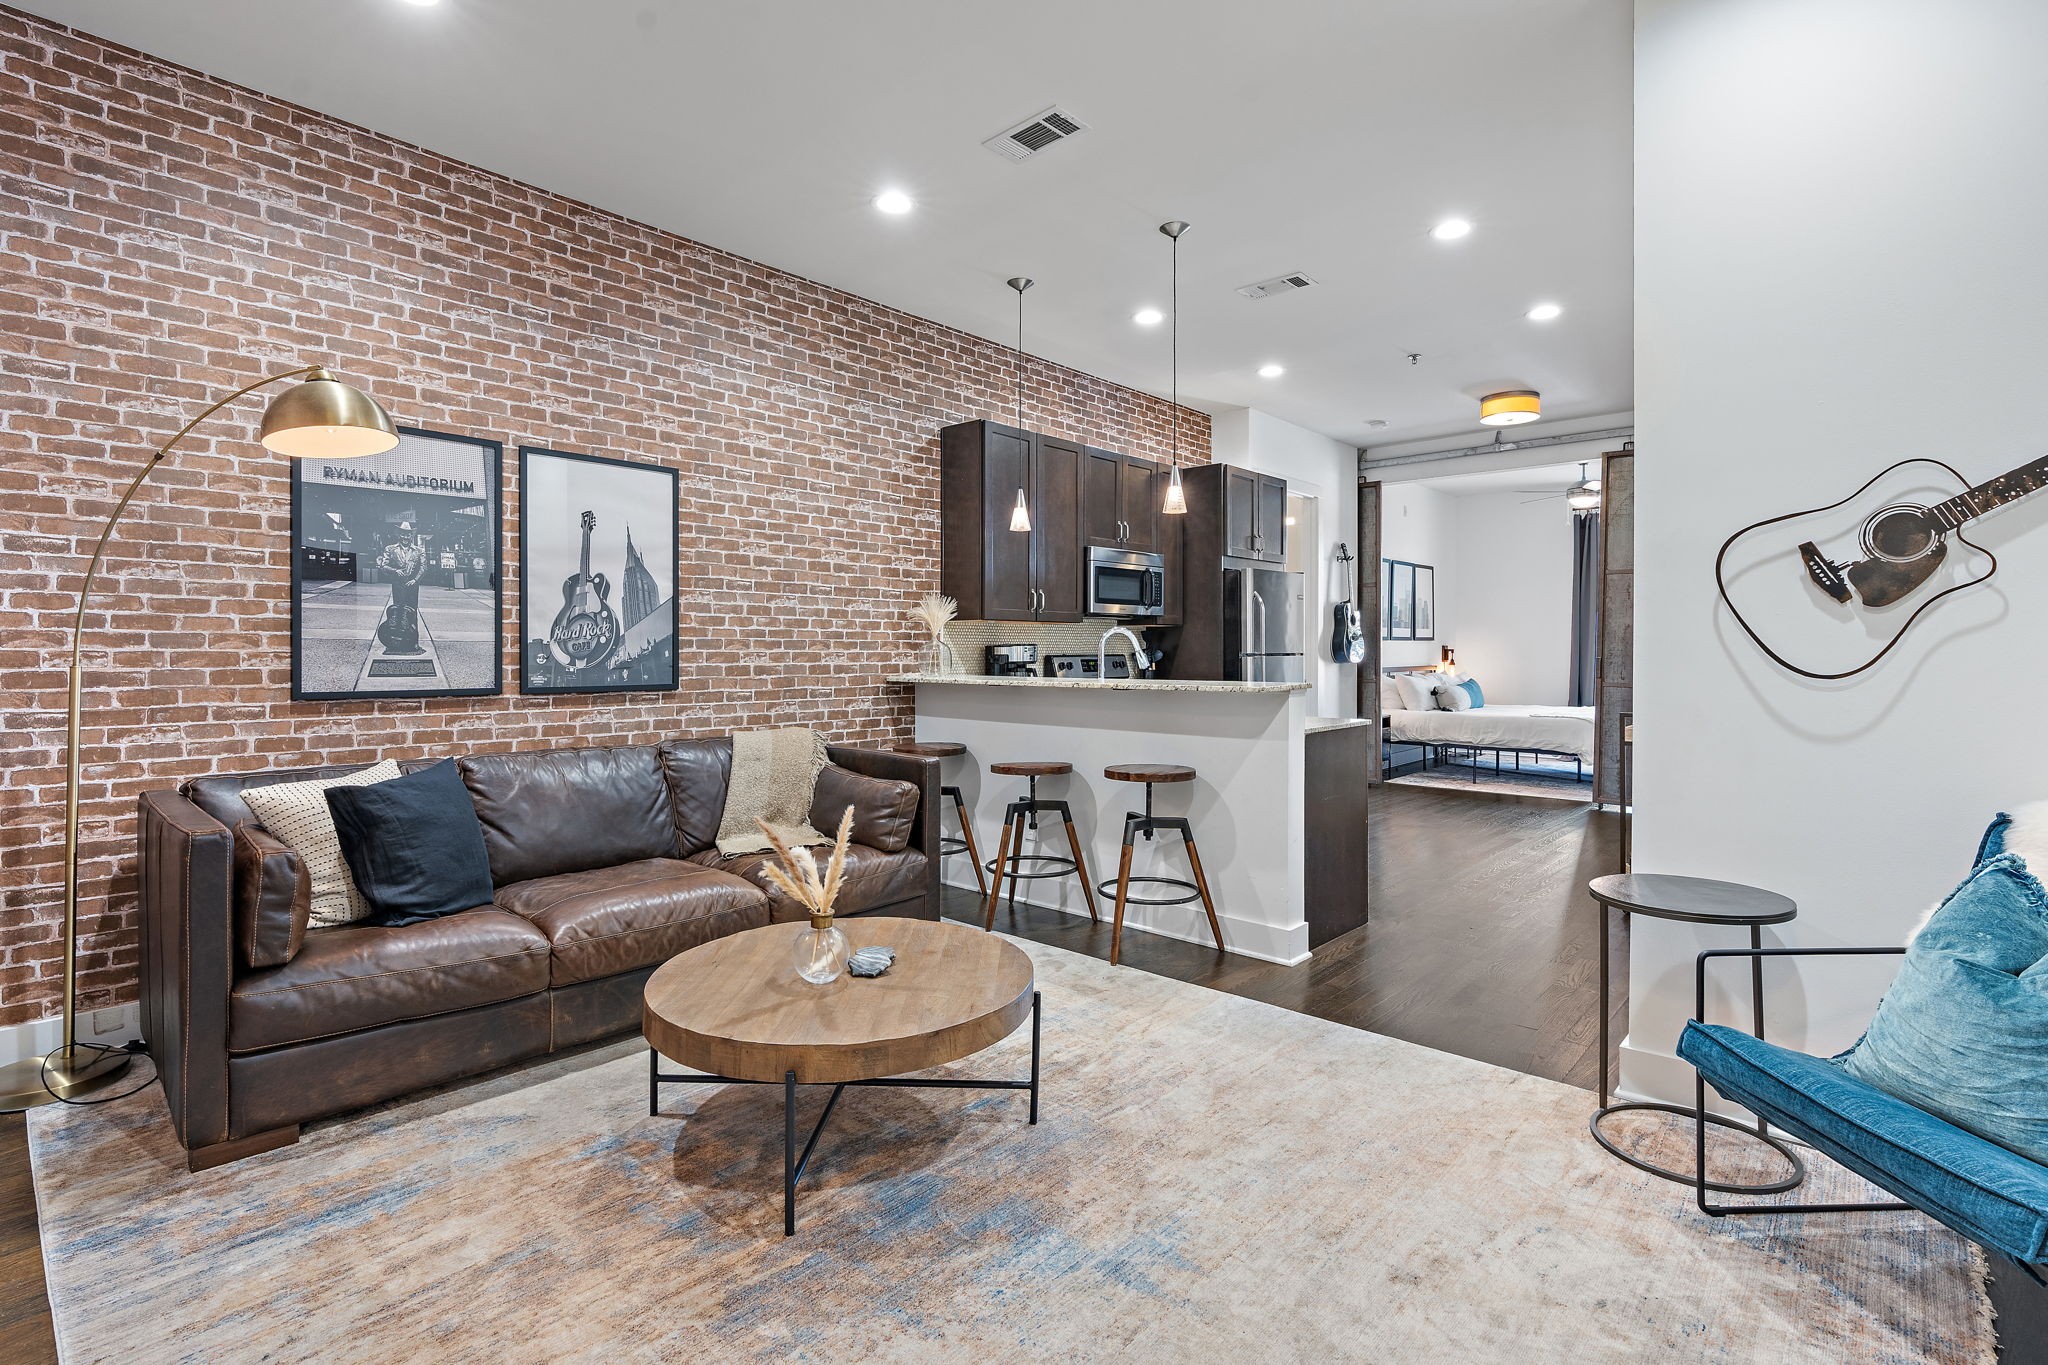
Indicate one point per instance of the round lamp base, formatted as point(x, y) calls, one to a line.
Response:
point(30, 1084)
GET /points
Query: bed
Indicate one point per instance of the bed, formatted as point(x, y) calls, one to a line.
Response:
point(1504, 728)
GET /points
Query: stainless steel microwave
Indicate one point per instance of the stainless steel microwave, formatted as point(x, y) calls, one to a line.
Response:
point(1125, 582)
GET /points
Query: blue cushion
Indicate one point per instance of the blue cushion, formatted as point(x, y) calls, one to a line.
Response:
point(1471, 687)
point(413, 845)
point(1993, 842)
point(1991, 1195)
point(1963, 1031)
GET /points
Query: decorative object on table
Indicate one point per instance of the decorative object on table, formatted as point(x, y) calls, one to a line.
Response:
point(395, 582)
point(605, 531)
point(1400, 613)
point(1881, 546)
point(1691, 900)
point(298, 816)
point(320, 419)
point(1176, 501)
point(414, 846)
point(871, 961)
point(935, 611)
point(819, 951)
point(774, 778)
point(1347, 636)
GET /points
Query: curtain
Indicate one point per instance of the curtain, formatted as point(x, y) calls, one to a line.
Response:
point(1585, 609)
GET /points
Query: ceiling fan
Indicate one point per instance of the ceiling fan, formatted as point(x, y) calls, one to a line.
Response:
point(1583, 496)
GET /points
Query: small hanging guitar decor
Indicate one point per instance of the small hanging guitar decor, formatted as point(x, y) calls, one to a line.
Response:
point(1347, 636)
point(1884, 545)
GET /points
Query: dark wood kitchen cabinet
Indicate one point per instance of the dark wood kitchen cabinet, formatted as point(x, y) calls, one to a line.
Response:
point(1120, 500)
point(1254, 515)
point(995, 573)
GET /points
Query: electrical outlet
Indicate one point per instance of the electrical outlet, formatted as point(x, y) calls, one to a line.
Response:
point(108, 1021)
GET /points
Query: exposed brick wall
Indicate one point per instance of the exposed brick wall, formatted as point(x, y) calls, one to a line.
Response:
point(165, 237)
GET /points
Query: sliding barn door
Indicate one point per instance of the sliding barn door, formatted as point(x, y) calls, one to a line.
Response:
point(1617, 618)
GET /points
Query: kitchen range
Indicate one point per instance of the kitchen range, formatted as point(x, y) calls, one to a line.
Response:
point(1198, 662)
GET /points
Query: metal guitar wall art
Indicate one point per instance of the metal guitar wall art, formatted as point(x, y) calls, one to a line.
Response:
point(1874, 556)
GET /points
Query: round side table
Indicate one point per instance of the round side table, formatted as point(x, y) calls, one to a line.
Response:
point(1694, 900)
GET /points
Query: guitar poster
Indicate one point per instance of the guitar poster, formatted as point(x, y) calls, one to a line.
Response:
point(597, 587)
point(395, 571)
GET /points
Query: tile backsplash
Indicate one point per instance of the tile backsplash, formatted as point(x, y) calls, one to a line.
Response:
point(968, 639)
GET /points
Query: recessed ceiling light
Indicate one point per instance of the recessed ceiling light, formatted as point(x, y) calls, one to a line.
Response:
point(1450, 229)
point(894, 201)
point(1376, 422)
point(423, 4)
point(1148, 317)
point(1271, 371)
point(1544, 312)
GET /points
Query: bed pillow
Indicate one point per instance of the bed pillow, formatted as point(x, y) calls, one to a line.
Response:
point(1390, 696)
point(1963, 1031)
point(1452, 696)
point(1418, 691)
point(296, 813)
point(1473, 692)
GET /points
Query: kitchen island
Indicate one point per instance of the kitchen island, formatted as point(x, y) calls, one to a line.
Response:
point(1249, 802)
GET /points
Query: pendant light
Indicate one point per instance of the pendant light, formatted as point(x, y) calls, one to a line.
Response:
point(1176, 504)
point(1020, 516)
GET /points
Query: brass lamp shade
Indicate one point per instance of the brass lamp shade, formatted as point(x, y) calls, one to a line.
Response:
point(325, 419)
point(1510, 409)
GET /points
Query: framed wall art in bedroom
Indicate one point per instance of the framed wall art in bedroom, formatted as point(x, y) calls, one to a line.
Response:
point(395, 571)
point(597, 587)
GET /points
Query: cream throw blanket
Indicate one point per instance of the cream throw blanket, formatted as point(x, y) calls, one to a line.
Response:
point(774, 774)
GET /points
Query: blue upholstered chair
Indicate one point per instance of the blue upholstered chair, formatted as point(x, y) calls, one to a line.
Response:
point(1991, 1195)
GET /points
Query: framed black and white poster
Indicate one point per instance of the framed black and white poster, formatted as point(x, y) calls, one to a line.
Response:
point(1425, 602)
point(597, 595)
point(395, 571)
point(1400, 600)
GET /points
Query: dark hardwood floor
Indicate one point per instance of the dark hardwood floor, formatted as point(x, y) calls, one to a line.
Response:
point(1481, 942)
point(25, 1337)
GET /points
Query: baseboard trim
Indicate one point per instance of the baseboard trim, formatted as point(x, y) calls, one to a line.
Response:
point(114, 1026)
point(1285, 947)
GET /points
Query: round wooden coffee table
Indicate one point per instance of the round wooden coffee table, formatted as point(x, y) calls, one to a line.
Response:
point(736, 1011)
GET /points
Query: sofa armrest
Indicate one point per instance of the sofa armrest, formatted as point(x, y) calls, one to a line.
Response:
point(924, 773)
point(185, 878)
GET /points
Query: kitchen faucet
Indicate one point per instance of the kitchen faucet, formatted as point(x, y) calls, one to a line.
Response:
point(1140, 660)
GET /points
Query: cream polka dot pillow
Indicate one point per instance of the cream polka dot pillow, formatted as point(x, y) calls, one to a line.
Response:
point(296, 812)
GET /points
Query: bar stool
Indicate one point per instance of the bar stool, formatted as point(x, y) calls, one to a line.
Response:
point(1151, 775)
point(948, 845)
point(1010, 857)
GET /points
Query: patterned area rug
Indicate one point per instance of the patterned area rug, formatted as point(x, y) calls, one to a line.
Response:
point(1212, 1179)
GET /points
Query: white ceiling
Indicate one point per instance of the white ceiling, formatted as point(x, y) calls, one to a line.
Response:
point(1536, 482)
point(1324, 136)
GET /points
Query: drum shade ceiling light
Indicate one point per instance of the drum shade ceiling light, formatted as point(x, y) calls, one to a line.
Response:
point(1511, 408)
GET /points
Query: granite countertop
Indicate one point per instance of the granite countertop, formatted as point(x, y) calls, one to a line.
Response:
point(1112, 685)
point(1315, 723)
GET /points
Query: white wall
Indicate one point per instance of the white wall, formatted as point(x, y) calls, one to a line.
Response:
point(1838, 265)
point(1326, 470)
point(1514, 620)
point(1420, 525)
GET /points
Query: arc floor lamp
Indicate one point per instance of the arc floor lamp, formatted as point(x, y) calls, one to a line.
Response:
point(321, 418)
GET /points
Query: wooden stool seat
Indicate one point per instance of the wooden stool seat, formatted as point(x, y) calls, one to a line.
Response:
point(1149, 772)
point(1031, 769)
point(916, 749)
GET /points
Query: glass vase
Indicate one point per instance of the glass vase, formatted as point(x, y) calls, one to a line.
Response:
point(939, 658)
point(820, 952)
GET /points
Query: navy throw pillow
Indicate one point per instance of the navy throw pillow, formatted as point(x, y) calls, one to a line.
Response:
point(413, 845)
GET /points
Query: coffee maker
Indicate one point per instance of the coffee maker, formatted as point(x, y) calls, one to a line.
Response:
point(1010, 661)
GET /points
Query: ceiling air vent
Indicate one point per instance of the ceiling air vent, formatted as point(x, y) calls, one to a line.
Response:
point(1035, 134)
point(1279, 284)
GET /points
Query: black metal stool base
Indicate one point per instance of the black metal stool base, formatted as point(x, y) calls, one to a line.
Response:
point(1790, 1182)
point(1061, 867)
point(1010, 857)
point(949, 845)
point(1108, 887)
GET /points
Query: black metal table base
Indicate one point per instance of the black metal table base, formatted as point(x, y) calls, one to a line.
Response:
point(1790, 1182)
point(793, 1162)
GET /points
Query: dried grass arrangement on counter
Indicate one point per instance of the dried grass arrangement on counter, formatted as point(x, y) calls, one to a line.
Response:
point(935, 611)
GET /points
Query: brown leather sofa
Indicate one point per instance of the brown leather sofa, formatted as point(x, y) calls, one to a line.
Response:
point(604, 868)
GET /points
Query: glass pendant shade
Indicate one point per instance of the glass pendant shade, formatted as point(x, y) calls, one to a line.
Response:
point(1020, 516)
point(325, 419)
point(1176, 504)
point(1510, 409)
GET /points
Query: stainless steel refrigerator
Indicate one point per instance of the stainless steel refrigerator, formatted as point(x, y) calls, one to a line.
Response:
point(1262, 622)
